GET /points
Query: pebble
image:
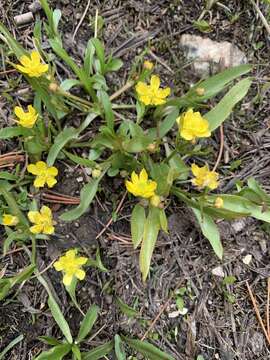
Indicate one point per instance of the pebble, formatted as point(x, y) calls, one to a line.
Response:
point(35, 6)
point(218, 271)
point(210, 56)
point(247, 259)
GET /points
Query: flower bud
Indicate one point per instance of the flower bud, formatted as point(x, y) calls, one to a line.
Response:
point(53, 87)
point(96, 173)
point(219, 202)
point(200, 91)
point(152, 147)
point(148, 65)
point(155, 200)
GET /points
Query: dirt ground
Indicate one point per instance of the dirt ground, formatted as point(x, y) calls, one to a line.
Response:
point(213, 327)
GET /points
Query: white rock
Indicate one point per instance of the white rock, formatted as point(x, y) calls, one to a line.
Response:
point(210, 56)
point(218, 271)
point(247, 259)
point(238, 225)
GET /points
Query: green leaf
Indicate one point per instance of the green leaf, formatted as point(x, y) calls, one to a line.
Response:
point(10, 132)
point(137, 224)
point(107, 106)
point(7, 176)
point(127, 310)
point(150, 234)
point(14, 235)
point(10, 346)
point(89, 57)
point(60, 141)
point(79, 160)
point(100, 54)
point(210, 231)
point(176, 163)
point(150, 351)
point(67, 84)
point(119, 348)
point(97, 263)
point(98, 352)
point(49, 340)
point(222, 110)
point(113, 65)
point(88, 322)
point(59, 319)
point(7, 283)
point(87, 195)
point(169, 121)
point(229, 280)
point(163, 220)
point(214, 84)
point(81, 74)
point(55, 353)
point(241, 204)
point(69, 133)
point(76, 352)
point(255, 186)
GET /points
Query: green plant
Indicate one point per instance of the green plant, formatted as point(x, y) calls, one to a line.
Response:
point(158, 158)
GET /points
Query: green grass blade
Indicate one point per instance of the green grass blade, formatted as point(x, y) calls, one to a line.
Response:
point(10, 346)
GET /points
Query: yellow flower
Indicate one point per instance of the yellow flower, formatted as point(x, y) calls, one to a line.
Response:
point(45, 174)
point(152, 94)
point(140, 185)
point(219, 202)
point(204, 177)
point(9, 220)
point(31, 65)
point(192, 125)
point(148, 65)
point(155, 200)
point(71, 266)
point(26, 119)
point(43, 221)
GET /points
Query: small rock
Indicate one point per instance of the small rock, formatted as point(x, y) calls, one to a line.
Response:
point(218, 271)
point(35, 6)
point(238, 225)
point(210, 56)
point(257, 342)
point(247, 259)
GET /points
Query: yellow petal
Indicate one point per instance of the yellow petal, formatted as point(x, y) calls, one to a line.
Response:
point(48, 229)
point(51, 181)
point(145, 99)
point(129, 186)
point(35, 57)
point(81, 260)
point(52, 171)
point(32, 169)
point(19, 112)
point(36, 229)
point(67, 279)
point(46, 211)
point(23, 69)
point(34, 216)
point(31, 110)
point(71, 254)
point(134, 177)
point(154, 82)
point(142, 88)
point(58, 265)
point(195, 170)
point(25, 60)
point(80, 274)
point(41, 166)
point(143, 176)
point(39, 181)
point(186, 134)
